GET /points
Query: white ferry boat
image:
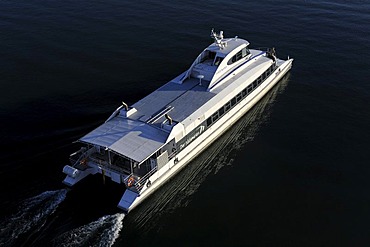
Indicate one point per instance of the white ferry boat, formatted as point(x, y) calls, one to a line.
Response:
point(143, 145)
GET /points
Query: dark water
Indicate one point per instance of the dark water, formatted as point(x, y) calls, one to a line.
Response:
point(293, 172)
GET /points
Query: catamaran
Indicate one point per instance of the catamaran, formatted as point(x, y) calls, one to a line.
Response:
point(143, 145)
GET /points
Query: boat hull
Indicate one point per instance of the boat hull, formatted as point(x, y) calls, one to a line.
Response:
point(131, 199)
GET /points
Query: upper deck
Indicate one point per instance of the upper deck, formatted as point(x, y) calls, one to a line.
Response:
point(183, 100)
point(186, 100)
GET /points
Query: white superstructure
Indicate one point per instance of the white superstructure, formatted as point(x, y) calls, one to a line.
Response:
point(143, 145)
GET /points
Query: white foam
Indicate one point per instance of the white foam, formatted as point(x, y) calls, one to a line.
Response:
point(31, 215)
point(102, 232)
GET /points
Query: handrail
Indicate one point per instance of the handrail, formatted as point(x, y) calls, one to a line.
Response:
point(158, 115)
point(139, 184)
point(142, 180)
point(82, 156)
point(88, 155)
point(108, 165)
point(264, 48)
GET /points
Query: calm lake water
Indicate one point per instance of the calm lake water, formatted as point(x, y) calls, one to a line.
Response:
point(294, 171)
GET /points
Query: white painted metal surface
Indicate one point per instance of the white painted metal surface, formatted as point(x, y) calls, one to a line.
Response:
point(131, 138)
point(152, 133)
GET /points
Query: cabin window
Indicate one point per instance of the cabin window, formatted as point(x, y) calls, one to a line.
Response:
point(254, 84)
point(221, 111)
point(208, 55)
point(259, 80)
point(238, 56)
point(209, 122)
point(245, 52)
point(227, 106)
point(238, 97)
point(233, 101)
point(232, 60)
point(211, 55)
point(214, 117)
point(249, 88)
point(218, 60)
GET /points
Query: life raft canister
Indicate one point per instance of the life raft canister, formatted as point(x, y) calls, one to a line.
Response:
point(130, 182)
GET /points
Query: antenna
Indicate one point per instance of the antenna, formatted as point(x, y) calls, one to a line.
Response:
point(218, 38)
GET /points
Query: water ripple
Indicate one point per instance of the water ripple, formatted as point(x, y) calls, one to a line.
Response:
point(102, 232)
point(31, 216)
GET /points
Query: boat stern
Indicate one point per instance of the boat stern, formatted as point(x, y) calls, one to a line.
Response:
point(75, 175)
point(128, 200)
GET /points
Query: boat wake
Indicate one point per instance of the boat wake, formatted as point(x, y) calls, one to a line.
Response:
point(102, 232)
point(177, 193)
point(31, 216)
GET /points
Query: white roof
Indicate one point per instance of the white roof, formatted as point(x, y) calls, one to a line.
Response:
point(140, 135)
point(131, 138)
point(231, 45)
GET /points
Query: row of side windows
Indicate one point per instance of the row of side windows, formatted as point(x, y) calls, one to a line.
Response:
point(246, 91)
point(241, 54)
point(190, 137)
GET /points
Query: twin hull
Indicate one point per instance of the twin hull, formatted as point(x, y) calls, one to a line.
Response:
point(132, 199)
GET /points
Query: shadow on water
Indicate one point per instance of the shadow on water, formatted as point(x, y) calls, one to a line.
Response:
point(177, 192)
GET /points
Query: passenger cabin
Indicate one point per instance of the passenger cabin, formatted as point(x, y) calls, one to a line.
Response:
point(218, 60)
point(141, 139)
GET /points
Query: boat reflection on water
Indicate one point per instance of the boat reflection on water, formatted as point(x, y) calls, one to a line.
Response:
point(178, 191)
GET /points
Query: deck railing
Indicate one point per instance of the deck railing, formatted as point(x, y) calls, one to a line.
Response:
point(106, 164)
point(75, 162)
point(88, 156)
point(139, 184)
